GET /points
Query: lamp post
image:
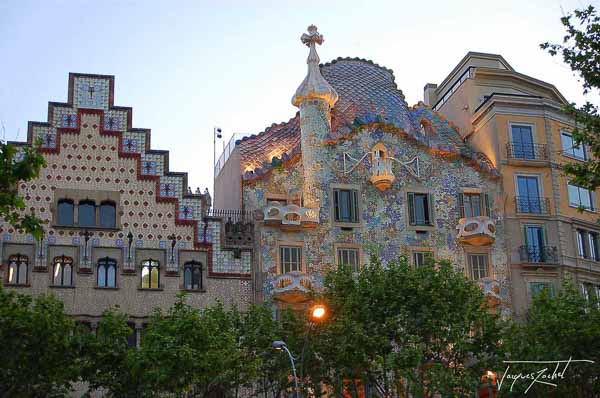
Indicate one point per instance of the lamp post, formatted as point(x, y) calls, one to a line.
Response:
point(281, 345)
point(217, 133)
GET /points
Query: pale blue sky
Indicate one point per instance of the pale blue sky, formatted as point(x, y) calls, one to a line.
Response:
point(185, 67)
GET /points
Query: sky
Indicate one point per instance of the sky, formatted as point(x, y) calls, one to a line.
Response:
point(188, 66)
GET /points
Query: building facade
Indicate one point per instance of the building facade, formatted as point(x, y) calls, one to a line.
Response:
point(357, 172)
point(122, 230)
point(551, 228)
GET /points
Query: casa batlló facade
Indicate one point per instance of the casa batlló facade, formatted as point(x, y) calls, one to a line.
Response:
point(121, 228)
point(358, 172)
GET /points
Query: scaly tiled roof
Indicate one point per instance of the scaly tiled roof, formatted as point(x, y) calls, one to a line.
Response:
point(367, 94)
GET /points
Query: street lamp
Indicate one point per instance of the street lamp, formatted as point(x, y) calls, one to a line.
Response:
point(318, 312)
point(281, 345)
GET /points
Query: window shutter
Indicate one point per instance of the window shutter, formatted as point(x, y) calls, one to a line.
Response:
point(411, 208)
point(487, 202)
point(461, 205)
point(593, 200)
point(336, 204)
point(428, 210)
point(354, 206)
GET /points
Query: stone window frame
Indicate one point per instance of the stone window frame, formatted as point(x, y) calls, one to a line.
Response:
point(202, 267)
point(534, 132)
point(285, 243)
point(355, 246)
point(420, 190)
point(419, 249)
point(18, 255)
point(116, 265)
point(478, 250)
point(81, 195)
point(530, 281)
point(142, 266)
point(351, 187)
point(71, 263)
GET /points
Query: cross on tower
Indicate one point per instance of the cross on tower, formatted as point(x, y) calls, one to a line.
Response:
point(167, 189)
point(49, 139)
point(186, 211)
point(91, 91)
point(69, 120)
point(148, 167)
point(129, 144)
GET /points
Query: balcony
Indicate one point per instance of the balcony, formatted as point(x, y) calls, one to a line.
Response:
point(476, 231)
point(290, 217)
point(292, 287)
point(381, 174)
point(527, 152)
point(532, 205)
point(538, 254)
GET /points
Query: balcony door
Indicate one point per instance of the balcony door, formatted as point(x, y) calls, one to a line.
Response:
point(528, 200)
point(522, 140)
point(535, 241)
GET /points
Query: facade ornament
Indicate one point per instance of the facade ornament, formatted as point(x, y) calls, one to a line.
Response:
point(314, 86)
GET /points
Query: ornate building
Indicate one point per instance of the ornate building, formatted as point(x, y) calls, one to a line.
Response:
point(357, 171)
point(517, 121)
point(121, 228)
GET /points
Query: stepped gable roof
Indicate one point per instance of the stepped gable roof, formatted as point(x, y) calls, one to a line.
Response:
point(367, 94)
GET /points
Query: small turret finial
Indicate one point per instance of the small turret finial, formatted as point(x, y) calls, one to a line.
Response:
point(314, 85)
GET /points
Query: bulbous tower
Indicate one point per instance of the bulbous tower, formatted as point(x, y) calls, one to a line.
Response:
point(315, 98)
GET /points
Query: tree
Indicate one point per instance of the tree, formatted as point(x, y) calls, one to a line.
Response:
point(38, 353)
point(581, 51)
point(403, 330)
point(558, 328)
point(14, 170)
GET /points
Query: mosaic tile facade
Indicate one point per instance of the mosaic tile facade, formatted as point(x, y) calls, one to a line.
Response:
point(93, 153)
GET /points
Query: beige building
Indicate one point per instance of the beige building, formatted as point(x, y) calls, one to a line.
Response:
point(121, 228)
point(516, 120)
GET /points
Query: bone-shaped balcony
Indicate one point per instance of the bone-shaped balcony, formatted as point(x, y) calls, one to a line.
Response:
point(292, 287)
point(290, 216)
point(476, 231)
point(381, 173)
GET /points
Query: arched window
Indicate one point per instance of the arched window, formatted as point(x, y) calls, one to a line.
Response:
point(192, 275)
point(87, 213)
point(108, 214)
point(17, 269)
point(150, 274)
point(62, 271)
point(107, 272)
point(65, 212)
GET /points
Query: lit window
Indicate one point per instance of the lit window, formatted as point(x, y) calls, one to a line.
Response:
point(192, 275)
point(290, 258)
point(107, 272)
point(62, 271)
point(65, 212)
point(345, 202)
point(17, 269)
point(108, 215)
point(349, 257)
point(478, 264)
point(150, 274)
point(87, 213)
point(581, 197)
point(421, 258)
point(570, 149)
point(419, 209)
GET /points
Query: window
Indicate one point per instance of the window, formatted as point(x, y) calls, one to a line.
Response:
point(473, 205)
point(62, 271)
point(17, 269)
point(538, 287)
point(581, 197)
point(478, 264)
point(587, 244)
point(522, 141)
point(150, 274)
point(192, 275)
point(529, 200)
point(570, 149)
point(421, 258)
point(419, 209)
point(590, 292)
point(132, 336)
point(345, 202)
point(108, 215)
point(65, 212)
point(349, 257)
point(290, 258)
point(107, 272)
point(87, 213)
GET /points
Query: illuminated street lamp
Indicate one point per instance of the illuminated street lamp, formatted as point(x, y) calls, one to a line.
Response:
point(318, 312)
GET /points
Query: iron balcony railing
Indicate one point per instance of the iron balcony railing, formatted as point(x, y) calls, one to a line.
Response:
point(539, 254)
point(527, 151)
point(233, 215)
point(532, 205)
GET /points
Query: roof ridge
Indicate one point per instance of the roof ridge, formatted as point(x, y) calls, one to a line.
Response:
point(268, 128)
point(391, 72)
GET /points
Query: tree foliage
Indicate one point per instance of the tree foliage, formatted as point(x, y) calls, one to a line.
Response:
point(404, 330)
point(558, 328)
point(580, 50)
point(16, 168)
